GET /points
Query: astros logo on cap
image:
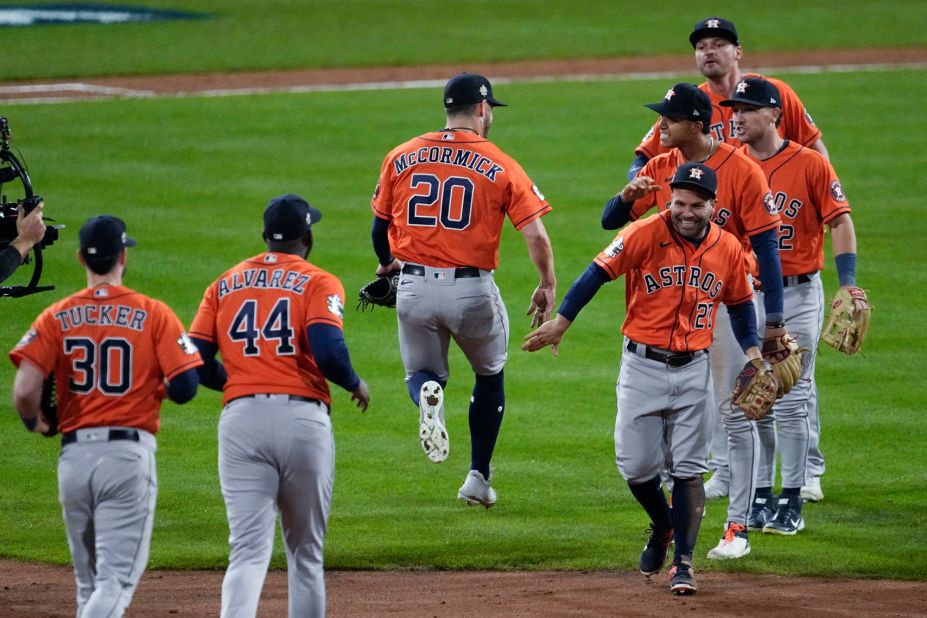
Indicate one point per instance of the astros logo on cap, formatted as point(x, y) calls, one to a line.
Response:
point(712, 23)
point(670, 94)
point(695, 173)
point(742, 87)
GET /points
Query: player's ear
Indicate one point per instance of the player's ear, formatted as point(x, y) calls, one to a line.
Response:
point(738, 52)
point(80, 259)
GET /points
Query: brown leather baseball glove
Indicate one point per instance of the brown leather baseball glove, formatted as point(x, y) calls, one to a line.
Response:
point(755, 389)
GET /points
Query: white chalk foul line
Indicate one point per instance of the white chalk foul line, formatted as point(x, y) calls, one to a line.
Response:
point(92, 92)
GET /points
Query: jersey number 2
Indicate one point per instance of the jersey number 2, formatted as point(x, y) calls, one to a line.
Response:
point(453, 216)
point(276, 327)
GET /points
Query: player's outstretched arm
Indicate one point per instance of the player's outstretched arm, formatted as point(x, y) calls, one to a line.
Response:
point(542, 255)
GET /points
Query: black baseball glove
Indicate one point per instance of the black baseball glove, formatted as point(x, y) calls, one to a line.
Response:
point(49, 405)
point(381, 291)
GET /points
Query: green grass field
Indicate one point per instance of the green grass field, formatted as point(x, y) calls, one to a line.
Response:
point(278, 34)
point(193, 197)
point(191, 178)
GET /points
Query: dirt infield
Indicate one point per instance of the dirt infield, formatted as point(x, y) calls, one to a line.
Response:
point(39, 591)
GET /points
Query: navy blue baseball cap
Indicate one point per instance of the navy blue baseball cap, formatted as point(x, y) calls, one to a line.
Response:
point(288, 217)
point(716, 27)
point(697, 177)
point(468, 88)
point(754, 91)
point(104, 235)
point(684, 102)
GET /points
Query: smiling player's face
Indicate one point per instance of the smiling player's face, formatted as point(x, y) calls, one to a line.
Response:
point(690, 213)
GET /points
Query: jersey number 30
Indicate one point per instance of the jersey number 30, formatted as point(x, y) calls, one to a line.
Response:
point(453, 216)
point(275, 327)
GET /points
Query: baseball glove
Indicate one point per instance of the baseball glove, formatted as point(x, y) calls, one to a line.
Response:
point(755, 389)
point(381, 291)
point(847, 326)
point(784, 355)
point(49, 406)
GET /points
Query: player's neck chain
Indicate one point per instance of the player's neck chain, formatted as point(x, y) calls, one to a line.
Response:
point(461, 129)
point(712, 147)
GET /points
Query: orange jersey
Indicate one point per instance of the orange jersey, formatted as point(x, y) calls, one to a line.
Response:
point(796, 124)
point(110, 348)
point(446, 195)
point(674, 288)
point(745, 206)
point(257, 313)
point(807, 194)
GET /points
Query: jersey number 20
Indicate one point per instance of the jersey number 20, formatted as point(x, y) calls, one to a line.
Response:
point(452, 216)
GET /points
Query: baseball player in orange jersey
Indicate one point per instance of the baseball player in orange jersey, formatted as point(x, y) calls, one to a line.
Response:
point(276, 319)
point(439, 207)
point(113, 354)
point(717, 56)
point(744, 208)
point(680, 266)
point(808, 196)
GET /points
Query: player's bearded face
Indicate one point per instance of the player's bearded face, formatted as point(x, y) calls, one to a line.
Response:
point(716, 57)
point(690, 213)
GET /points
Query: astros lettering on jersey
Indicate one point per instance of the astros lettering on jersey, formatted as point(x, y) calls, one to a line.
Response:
point(807, 194)
point(455, 181)
point(262, 308)
point(673, 293)
point(796, 124)
point(110, 349)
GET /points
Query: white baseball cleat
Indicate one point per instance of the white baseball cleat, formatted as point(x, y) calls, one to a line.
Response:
point(733, 544)
point(716, 488)
point(431, 430)
point(476, 490)
point(812, 491)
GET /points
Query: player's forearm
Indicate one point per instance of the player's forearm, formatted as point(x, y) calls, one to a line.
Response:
point(541, 253)
point(743, 323)
point(211, 373)
point(582, 291)
point(379, 235)
point(182, 387)
point(766, 247)
point(331, 356)
point(843, 236)
point(616, 213)
point(27, 392)
point(640, 160)
point(10, 259)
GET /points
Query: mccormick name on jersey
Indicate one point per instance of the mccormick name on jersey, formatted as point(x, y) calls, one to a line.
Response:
point(461, 157)
point(278, 279)
point(668, 276)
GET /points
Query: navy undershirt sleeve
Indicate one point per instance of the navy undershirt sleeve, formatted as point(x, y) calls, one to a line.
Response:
point(182, 387)
point(766, 247)
point(743, 323)
point(331, 355)
point(211, 373)
point(379, 235)
point(636, 166)
point(582, 291)
point(616, 213)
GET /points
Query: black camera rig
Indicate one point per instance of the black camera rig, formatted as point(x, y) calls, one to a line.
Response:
point(12, 169)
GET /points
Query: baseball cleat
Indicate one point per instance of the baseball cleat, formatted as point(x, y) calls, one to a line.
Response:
point(812, 491)
point(733, 544)
point(762, 511)
point(654, 555)
point(681, 578)
point(716, 488)
point(476, 490)
point(431, 430)
point(788, 519)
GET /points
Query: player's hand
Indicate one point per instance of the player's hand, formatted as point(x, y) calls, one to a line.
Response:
point(638, 188)
point(548, 334)
point(385, 270)
point(361, 395)
point(542, 305)
point(859, 304)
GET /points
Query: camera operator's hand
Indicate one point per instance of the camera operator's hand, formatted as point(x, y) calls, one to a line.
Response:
point(30, 229)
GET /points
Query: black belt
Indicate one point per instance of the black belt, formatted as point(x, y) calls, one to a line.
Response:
point(292, 397)
point(114, 434)
point(461, 272)
point(673, 359)
point(796, 280)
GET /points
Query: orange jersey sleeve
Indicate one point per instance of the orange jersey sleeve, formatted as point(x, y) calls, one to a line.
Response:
point(257, 313)
point(807, 194)
point(796, 124)
point(446, 196)
point(110, 349)
point(675, 288)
